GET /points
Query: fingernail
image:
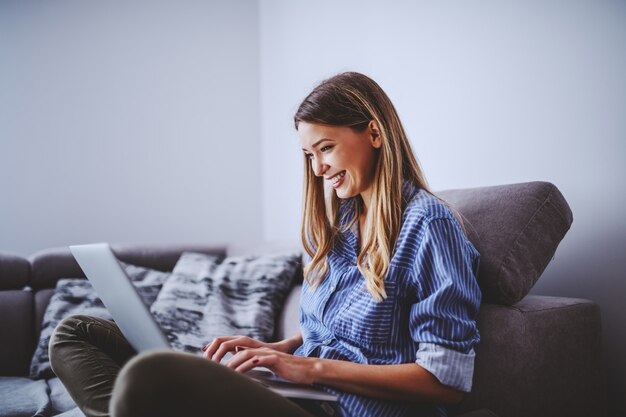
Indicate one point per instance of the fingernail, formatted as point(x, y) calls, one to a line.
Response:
point(204, 348)
point(255, 361)
point(239, 348)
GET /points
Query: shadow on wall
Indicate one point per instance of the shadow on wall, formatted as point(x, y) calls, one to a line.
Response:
point(592, 265)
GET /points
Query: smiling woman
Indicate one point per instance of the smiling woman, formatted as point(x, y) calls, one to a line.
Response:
point(358, 114)
point(341, 155)
point(390, 297)
point(388, 305)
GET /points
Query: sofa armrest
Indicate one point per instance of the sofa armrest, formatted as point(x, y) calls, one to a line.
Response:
point(288, 322)
point(540, 357)
point(14, 271)
point(16, 332)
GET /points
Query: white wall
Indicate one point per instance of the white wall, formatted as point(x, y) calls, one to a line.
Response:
point(128, 122)
point(491, 92)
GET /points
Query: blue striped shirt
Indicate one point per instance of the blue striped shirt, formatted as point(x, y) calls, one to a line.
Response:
point(428, 316)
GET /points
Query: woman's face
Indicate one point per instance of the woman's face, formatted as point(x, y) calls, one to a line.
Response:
point(344, 157)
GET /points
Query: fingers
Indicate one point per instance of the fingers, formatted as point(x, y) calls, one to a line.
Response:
point(220, 346)
point(248, 359)
point(217, 344)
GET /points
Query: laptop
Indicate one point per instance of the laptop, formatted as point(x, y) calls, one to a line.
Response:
point(134, 319)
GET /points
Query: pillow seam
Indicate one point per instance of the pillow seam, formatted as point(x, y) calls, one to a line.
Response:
point(522, 232)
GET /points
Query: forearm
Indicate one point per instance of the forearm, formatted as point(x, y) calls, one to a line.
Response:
point(408, 382)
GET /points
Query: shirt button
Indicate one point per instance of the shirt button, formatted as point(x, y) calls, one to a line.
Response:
point(332, 288)
point(325, 342)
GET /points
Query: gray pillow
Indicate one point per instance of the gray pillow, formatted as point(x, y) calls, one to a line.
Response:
point(516, 228)
point(77, 296)
point(242, 295)
point(199, 300)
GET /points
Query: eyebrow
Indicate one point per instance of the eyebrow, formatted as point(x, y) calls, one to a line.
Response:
point(318, 142)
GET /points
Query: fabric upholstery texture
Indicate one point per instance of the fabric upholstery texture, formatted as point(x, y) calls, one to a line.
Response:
point(42, 300)
point(23, 397)
point(14, 272)
point(516, 228)
point(16, 331)
point(77, 296)
point(538, 358)
point(204, 298)
point(288, 323)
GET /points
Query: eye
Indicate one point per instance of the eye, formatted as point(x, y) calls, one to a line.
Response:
point(325, 148)
point(309, 155)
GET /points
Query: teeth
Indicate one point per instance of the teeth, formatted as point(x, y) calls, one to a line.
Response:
point(337, 177)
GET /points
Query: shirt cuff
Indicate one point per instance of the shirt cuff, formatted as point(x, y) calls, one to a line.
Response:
point(452, 368)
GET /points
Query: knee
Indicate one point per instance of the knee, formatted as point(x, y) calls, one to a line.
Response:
point(144, 386)
point(63, 334)
point(68, 327)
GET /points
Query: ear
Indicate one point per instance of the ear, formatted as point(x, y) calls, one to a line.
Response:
point(375, 135)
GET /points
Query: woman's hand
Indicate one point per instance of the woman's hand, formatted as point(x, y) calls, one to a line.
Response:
point(221, 345)
point(406, 382)
point(290, 367)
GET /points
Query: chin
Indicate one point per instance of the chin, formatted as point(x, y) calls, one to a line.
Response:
point(344, 194)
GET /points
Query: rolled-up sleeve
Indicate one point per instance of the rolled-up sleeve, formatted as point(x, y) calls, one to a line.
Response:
point(443, 319)
point(450, 367)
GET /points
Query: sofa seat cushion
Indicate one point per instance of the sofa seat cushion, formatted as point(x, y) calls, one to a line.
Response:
point(74, 412)
point(25, 397)
point(60, 400)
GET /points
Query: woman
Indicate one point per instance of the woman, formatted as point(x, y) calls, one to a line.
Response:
point(388, 303)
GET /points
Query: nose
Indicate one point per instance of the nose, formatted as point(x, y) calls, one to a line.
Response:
point(319, 167)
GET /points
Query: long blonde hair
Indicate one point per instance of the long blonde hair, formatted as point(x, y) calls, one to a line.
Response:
point(354, 100)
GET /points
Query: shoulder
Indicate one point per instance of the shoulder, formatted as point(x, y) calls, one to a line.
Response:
point(427, 221)
point(421, 205)
point(422, 209)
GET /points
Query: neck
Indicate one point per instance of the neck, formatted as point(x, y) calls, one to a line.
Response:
point(366, 198)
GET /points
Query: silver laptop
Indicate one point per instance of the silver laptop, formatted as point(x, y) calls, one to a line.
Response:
point(120, 296)
point(138, 325)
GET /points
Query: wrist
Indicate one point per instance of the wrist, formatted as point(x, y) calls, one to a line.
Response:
point(316, 371)
point(279, 346)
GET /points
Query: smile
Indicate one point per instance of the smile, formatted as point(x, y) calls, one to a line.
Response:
point(337, 179)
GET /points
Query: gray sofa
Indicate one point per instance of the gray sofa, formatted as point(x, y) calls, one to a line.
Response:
point(539, 356)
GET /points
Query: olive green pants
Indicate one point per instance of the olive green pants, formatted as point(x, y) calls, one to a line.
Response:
point(105, 376)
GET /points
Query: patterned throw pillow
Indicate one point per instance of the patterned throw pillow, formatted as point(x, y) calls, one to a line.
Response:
point(242, 295)
point(77, 296)
point(199, 300)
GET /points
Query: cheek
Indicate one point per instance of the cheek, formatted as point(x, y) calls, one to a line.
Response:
point(363, 168)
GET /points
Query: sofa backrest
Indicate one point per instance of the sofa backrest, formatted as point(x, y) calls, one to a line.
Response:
point(516, 228)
